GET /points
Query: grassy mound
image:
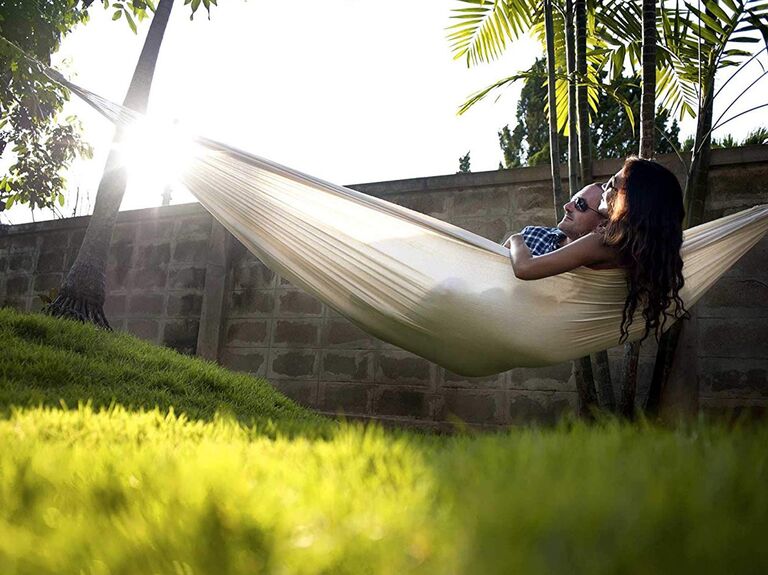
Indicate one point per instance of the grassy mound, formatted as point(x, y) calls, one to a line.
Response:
point(131, 489)
point(50, 362)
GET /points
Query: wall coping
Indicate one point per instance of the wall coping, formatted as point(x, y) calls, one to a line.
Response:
point(601, 168)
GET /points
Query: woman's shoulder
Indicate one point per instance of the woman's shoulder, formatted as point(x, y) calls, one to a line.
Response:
point(602, 255)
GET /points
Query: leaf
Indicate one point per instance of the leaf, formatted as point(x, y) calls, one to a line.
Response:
point(9, 201)
point(61, 200)
point(131, 23)
point(116, 15)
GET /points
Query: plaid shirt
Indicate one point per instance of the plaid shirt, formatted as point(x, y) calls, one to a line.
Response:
point(541, 240)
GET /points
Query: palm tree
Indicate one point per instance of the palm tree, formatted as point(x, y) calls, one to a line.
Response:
point(82, 293)
point(699, 43)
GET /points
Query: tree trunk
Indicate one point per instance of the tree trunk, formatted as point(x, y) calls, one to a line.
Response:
point(554, 144)
point(585, 146)
point(601, 375)
point(648, 97)
point(573, 142)
point(647, 126)
point(82, 293)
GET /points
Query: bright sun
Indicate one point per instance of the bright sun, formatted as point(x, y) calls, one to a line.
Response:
point(155, 154)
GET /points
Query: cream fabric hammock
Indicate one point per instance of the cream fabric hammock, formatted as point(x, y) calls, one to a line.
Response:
point(427, 286)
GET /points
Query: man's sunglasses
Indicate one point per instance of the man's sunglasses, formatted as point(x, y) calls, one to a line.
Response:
point(581, 205)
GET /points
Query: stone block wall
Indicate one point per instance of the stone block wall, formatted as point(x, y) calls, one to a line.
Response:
point(177, 278)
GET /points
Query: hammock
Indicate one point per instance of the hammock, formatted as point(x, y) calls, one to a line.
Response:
point(422, 284)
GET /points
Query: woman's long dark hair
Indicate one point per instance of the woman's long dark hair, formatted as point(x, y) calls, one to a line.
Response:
point(646, 227)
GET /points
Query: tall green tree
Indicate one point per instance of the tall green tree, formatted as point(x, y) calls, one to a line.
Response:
point(35, 141)
point(82, 293)
point(611, 133)
point(701, 41)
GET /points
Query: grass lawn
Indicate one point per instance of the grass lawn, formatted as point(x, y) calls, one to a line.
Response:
point(122, 457)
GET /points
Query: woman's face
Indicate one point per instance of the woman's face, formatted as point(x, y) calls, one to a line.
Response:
point(609, 190)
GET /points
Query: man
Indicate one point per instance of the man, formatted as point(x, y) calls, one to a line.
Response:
point(581, 217)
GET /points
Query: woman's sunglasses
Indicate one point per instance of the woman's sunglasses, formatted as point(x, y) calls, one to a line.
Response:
point(581, 205)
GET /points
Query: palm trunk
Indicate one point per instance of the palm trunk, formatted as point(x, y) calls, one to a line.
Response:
point(573, 142)
point(585, 146)
point(647, 125)
point(601, 374)
point(82, 293)
point(554, 144)
point(581, 369)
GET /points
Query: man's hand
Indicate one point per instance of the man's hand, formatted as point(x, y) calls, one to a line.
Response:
point(510, 239)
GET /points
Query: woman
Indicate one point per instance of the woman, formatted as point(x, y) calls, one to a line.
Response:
point(643, 234)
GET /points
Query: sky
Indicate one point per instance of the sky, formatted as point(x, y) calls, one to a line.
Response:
point(351, 91)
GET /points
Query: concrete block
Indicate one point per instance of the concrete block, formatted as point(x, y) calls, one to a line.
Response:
point(341, 333)
point(546, 408)
point(21, 262)
point(734, 377)
point(46, 282)
point(735, 296)
point(251, 360)
point(194, 227)
point(487, 202)
point(76, 239)
point(114, 305)
point(403, 368)
point(534, 196)
point(296, 333)
point(152, 230)
point(124, 233)
point(449, 380)
point(252, 274)
point(352, 398)
point(470, 406)
point(297, 364)
point(146, 304)
point(17, 286)
point(141, 278)
point(3, 263)
point(120, 256)
point(23, 243)
point(54, 242)
point(181, 335)
point(433, 204)
point(550, 378)
point(191, 251)
point(146, 329)
point(50, 262)
point(302, 392)
point(188, 304)
point(347, 365)
point(241, 333)
point(186, 278)
point(252, 302)
point(153, 256)
point(727, 337)
point(297, 302)
point(401, 402)
point(117, 279)
point(17, 303)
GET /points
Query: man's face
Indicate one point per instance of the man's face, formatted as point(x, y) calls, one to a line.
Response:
point(576, 222)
